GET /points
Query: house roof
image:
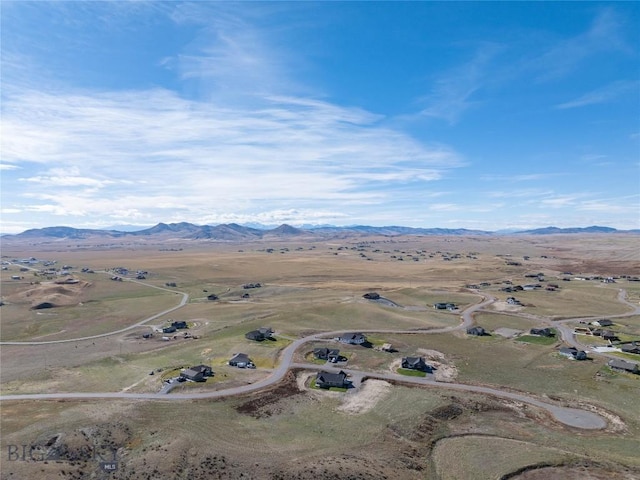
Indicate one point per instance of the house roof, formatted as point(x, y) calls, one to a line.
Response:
point(623, 365)
point(200, 368)
point(571, 350)
point(240, 357)
point(476, 330)
point(413, 360)
point(351, 337)
point(327, 377)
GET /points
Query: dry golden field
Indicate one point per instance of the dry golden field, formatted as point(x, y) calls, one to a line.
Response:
point(310, 286)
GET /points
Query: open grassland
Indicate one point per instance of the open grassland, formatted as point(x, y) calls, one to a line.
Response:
point(575, 299)
point(102, 306)
point(487, 458)
point(493, 321)
point(410, 433)
point(310, 287)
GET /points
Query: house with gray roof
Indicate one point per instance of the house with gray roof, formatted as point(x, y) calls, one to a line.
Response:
point(352, 338)
point(330, 354)
point(541, 332)
point(624, 366)
point(241, 360)
point(260, 334)
point(416, 363)
point(477, 331)
point(633, 347)
point(573, 353)
point(328, 380)
point(197, 373)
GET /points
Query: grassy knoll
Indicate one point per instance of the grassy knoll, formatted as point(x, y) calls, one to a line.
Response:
point(102, 307)
point(486, 458)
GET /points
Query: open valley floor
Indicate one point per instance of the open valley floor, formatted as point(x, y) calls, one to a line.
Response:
point(300, 357)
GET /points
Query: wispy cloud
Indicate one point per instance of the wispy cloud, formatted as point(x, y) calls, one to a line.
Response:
point(566, 54)
point(605, 94)
point(153, 149)
point(526, 177)
point(452, 93)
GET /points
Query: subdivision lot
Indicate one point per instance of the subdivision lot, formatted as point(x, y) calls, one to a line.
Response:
point(310, 287)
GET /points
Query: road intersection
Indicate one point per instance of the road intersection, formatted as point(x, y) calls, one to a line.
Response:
point(573, 417)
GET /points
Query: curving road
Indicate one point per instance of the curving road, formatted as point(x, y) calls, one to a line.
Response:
point(183, 302)
point(569, 416)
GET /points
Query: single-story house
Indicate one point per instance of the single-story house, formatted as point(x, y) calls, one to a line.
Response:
point(602, 323)
point(624, 366)
point(259, 335)
point(352, 338)
point(328, 380)
point(330, 354)
point(478, 331)
point(241, 360)
point(631, 348)
point(371, 296)
point(180, 324)
point(573, 353)
point(541, 332)
point(197, 373)
point(254, 335)
point(444, 306)
point(415, 363)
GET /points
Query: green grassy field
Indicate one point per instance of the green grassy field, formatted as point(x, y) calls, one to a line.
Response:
point(487, 458)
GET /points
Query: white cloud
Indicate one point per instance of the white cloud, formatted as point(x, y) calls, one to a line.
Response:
point(7, 166)
point(161, 153)
point(605, 94)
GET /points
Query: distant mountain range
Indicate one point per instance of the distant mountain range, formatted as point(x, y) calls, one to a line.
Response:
point(233, 232)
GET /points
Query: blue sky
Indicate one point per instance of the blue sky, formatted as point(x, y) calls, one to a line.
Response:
point(451, 114)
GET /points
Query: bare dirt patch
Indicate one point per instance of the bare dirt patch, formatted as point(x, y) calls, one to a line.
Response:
point(273, 401)
point(367, 396)
point(444, 370)
point(508, 332)
point(502, 306)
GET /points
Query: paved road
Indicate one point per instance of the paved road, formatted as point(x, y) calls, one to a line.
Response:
point(569, 416)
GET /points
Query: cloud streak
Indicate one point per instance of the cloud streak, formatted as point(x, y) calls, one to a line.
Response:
point(605, 94)
point(153, 149)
